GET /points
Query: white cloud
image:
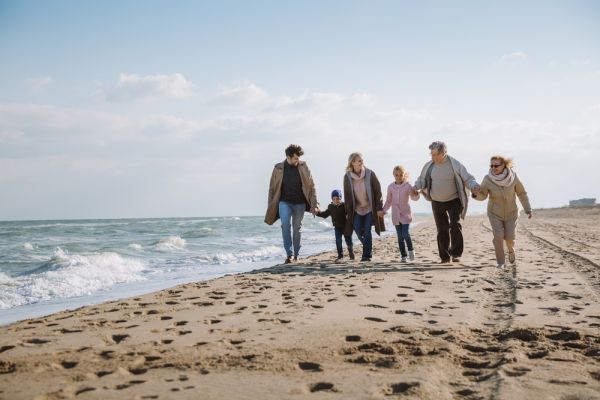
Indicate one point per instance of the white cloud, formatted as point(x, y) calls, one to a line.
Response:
point(132, 87)
point(187, 152)
point(322, 101)
point(244, 93)
point(38, 84)
point(513, 60)
point(403, 114)
point(40, 125)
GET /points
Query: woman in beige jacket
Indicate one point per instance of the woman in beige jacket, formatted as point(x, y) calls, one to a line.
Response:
point(503, 186)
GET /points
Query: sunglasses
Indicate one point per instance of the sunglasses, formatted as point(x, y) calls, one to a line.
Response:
point(495, 165)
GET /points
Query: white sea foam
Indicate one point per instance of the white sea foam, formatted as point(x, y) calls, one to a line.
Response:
point(135, 246)
point(259, 254)
point(171, 243)
point(325, 224)
point(5, 279)
point(27, 246)
point(71, 275)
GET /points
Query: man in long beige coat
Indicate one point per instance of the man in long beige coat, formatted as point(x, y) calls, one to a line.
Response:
point(291, 193)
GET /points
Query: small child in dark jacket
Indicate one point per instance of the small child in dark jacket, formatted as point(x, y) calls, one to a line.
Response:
point(337, 210)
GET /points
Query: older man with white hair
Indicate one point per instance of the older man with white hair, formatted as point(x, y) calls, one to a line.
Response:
point(444, 181)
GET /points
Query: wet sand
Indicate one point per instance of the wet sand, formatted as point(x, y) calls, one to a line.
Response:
point(342, 330)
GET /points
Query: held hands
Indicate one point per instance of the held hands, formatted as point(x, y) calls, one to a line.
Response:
point(380, 214)
point(415, 191)
point(314, 210)
point(475, 191)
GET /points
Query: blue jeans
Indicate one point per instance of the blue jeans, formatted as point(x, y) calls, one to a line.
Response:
point(291, 216)
point(339, 232)
point(362, 227)
point(404, 236)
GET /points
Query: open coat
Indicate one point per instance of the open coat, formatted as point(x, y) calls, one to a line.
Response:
point(375, 200)
point(308, 190)
point(462, 178)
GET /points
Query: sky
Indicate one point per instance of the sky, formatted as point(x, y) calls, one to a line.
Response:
point(127, 109)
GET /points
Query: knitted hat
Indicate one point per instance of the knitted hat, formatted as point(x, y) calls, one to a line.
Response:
point(336, 193)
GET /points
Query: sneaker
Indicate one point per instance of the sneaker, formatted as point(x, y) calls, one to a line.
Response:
point(403, 259)
point(445, 262)
point(339, 257)
point(365, 259)
point(296, 258)
point(511, 257)
point(288, 260)
point(501, 266)
point(411, 255)
point(455, 259)
point(351, 255)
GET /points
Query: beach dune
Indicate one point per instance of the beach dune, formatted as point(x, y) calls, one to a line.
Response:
point(342, 330)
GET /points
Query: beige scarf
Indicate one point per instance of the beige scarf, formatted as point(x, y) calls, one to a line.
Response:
point(504, 179)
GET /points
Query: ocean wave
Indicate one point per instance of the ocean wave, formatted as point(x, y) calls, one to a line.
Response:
point(69, 275)
point(5, 279)
point(28, 246)
point(199, 233)
point(170, 244)
point(260, 254)
point(135, 246)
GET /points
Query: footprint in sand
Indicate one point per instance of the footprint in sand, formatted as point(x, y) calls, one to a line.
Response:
point(83, 390)
point(309, 366)
point(68, 364)
point(401, 387)
point(6, 367)
point(375, 319)
point(466, 392)
point(6, 348)
point(119, 338)
point(37, 341)
point(320, 386)
point(518, 371)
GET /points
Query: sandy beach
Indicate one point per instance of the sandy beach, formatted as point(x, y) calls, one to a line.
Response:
point(342, 330)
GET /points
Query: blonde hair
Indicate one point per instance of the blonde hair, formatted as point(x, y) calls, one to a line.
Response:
point(351, 158)
point(403, 171)
point(507, 162)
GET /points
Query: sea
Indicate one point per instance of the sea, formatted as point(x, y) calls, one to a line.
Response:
point(50, 266)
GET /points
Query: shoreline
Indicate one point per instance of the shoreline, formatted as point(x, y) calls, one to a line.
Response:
point(341, 329)
point(126, 290)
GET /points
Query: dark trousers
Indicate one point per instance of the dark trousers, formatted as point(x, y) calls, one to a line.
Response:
point(449, 230)
point(362, 226)
point(339, 232)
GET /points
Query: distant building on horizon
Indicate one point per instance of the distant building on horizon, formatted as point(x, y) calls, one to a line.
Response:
point(582, 202)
